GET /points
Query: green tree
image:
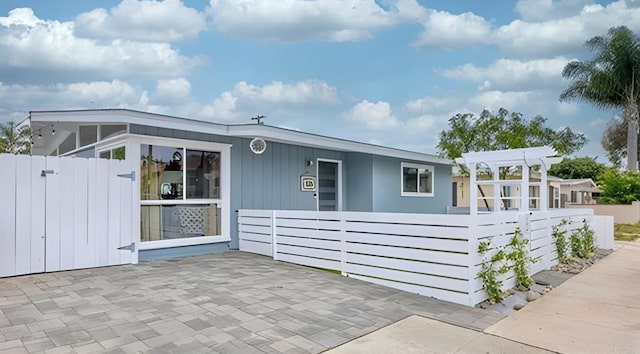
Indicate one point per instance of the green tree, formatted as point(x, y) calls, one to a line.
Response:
point(610, 80)
point(580, 167)
point(503, 130)
point(619, 187)
point(15, 140)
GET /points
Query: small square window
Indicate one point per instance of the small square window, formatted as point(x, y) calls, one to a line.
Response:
point(417, 180)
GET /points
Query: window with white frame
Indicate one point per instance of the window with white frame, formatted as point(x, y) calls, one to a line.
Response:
point(417, 180)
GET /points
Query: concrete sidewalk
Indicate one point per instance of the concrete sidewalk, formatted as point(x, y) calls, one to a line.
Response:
point(417, 334)
point(597, 311)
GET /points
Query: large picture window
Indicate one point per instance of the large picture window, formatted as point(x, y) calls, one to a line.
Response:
point(417, 180)
point(179, 192)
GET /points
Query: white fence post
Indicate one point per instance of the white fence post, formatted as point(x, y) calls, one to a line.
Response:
point(343, 245)
point(274, 240)
point(603, 228)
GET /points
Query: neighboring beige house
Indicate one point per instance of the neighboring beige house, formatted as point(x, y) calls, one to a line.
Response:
point(561, 192)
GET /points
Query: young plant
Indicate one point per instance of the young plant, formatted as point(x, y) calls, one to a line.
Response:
point(559, 235)
point(583, 243)
point(520, 261)
point(491, 270)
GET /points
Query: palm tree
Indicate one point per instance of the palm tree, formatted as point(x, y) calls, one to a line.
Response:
point(15, 140)
point(611, 79)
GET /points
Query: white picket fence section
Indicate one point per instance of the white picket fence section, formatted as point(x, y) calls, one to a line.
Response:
point(61, 213)
point(428, 254)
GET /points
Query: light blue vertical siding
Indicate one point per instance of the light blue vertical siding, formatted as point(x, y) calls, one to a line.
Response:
point(387, 183)
point(359, 182)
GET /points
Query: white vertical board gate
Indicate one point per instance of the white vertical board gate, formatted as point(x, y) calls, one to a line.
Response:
point(62, 213)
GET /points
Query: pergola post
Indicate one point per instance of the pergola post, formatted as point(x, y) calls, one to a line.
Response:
point(544, 189)
point(473, 189)
point(524, 188)
point(497, 188)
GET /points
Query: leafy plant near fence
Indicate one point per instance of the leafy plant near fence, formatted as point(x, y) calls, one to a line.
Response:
point(490, 271)
point(520, 261)
point(514, 256)
point(562, 246)
point(583, 243)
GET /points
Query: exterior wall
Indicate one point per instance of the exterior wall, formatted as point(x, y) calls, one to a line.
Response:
point(622, 213)
point(584, 197)
point(267, 181)
point(359, 182)
point(387, 182)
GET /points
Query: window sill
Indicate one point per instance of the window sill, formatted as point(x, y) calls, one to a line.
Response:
point(191, 241)
point(421, 195)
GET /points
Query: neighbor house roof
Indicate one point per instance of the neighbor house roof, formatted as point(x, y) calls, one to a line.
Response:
point(267, 132)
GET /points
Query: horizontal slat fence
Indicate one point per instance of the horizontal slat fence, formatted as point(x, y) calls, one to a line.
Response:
point(428, 254)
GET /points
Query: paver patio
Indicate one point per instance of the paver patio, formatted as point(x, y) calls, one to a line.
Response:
point(225, 303)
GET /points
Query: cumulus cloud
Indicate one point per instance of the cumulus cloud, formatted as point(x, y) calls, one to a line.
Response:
point(146, 20)
point(371, 116)
point(78, 95)
point(303, 20)
point(173, 90)
point(36, 49)
point(540, 10)
point(245, 99)
point(512, 74)
point(445, 30)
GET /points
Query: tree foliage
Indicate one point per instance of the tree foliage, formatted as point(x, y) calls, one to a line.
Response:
point(619, 187)
point(610, 80)
point(614, 140)
point(504, 130)
point(14, 140)
point(580, 167)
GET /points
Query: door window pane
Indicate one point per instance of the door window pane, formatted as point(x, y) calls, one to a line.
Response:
point(161, 173)
point(203, 174)
point(168, 222)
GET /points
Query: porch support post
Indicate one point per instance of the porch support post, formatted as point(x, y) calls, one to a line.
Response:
point(524, 188)
point(473, 189)
point(544, 188)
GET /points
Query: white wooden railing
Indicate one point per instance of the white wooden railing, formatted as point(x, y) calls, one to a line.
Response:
point(428, 254)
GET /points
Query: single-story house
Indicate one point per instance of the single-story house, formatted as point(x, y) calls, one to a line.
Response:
point(192, 175)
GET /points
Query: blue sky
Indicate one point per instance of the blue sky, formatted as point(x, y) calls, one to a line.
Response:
point(389, 72)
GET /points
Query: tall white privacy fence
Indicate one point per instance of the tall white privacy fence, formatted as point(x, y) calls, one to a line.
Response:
point(61, 213)
point(427, 254)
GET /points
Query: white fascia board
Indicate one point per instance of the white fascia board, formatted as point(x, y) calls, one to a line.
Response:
point(325, 142)
point(130, 117)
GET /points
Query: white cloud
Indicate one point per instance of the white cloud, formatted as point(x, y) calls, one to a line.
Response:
point(302, 20)
point(247, 99)
point(429, 104)
point(598, 123)
point(540, 10)
point(513, 101)
point(567, 108)
point(146, 21)
point(566, 34)
point(512, 74)
point(371, 116)
point(32, 47)
point(173, 90)
point(445, 30)
point(79, 95)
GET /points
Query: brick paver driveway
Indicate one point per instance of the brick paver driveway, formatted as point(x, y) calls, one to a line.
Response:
point(225, 303)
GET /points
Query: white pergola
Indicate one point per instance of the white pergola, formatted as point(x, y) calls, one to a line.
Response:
point(538, 156)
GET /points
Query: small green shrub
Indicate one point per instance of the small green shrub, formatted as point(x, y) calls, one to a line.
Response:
point(560, 237)
point(491, 269)
point(583, 243)
point(518, 255)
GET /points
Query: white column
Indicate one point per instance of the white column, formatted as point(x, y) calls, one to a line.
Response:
point(524, 188)
point(544, 188)
point(473, 189)
point(497, 188)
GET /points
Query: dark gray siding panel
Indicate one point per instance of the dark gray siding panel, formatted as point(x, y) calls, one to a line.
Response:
point(359, 182)
point(87, 153)
point(387, 184)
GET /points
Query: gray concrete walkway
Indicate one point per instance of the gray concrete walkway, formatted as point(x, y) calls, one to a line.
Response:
point(596, 311)
point(227, 303)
